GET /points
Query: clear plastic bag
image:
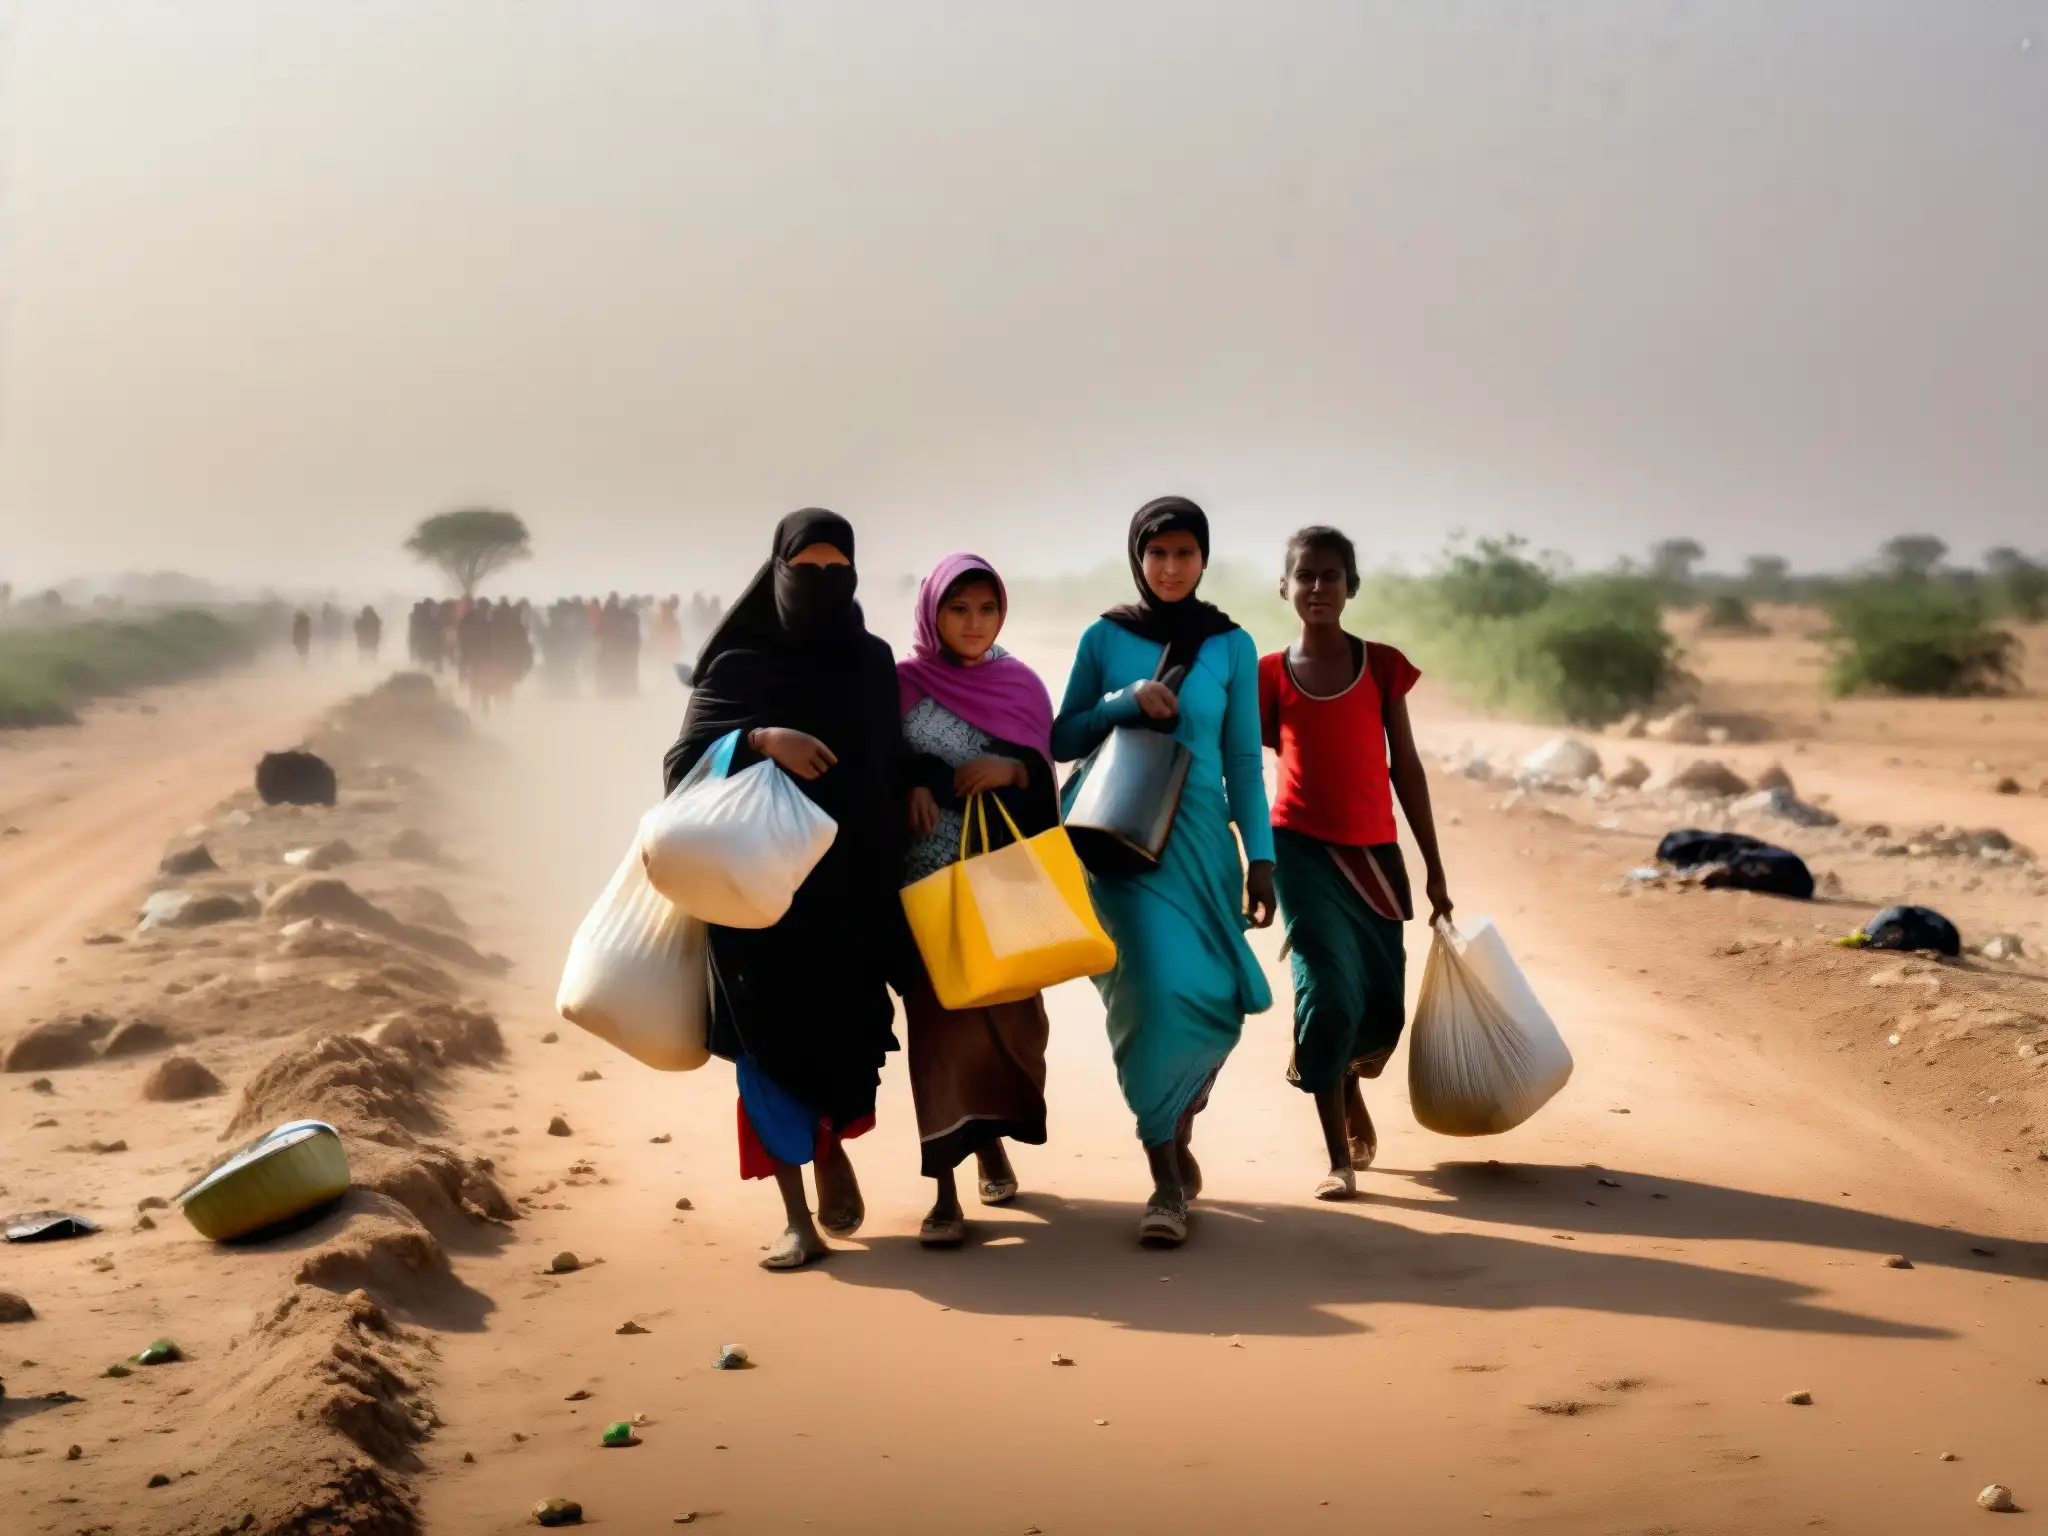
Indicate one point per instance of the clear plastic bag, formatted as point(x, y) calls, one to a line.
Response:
point(732, 849)
point(638, 975)
point(1484, 1055)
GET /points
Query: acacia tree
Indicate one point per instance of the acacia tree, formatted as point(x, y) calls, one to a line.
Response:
point(1913, 555)
point(1672, 560)
point(471, 544)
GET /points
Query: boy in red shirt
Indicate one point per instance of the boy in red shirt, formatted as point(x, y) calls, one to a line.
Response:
point(1335, 709)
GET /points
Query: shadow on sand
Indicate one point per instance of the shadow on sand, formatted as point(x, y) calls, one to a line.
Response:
point(1281, 1270)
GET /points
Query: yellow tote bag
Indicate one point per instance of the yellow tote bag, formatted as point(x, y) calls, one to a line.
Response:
point(997, 927)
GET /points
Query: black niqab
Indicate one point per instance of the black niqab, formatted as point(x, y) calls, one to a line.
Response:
point(807, 999)
point(1184, 626)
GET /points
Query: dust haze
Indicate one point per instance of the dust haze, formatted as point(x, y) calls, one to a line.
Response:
point(1765, 274)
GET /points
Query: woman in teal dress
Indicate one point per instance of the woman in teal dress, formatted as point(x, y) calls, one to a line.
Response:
point(1185, 978)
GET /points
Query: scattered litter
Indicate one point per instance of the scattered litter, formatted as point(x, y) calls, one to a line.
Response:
point(286, 1172)
point(619, 1434)
point(162, 1352)
point(558, 1512)
point(191, 909)
point(1561, 760)
point(295, 778)
point(732, 1357)
point(47, 1227)
point(2002, 946)
point(1609, 1183)
point(321, 856)
point(1949, 1456)
point(1101, 1423)
point(1912, 928)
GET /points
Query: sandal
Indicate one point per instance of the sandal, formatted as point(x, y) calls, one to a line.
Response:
point(942, 1234)
point(845, 1224)
point(998, 1191)
point(1163, 1226)
point(789, 1252)
point(1342, 1184)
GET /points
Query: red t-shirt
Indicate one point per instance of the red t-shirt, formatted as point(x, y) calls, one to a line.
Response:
point(1334, 783)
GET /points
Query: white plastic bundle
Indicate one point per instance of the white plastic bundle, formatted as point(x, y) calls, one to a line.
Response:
point(733, 850)
point(637, 975)
point(1484, 1056)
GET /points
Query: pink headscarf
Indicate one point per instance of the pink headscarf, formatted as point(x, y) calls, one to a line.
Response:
point(1001, 696)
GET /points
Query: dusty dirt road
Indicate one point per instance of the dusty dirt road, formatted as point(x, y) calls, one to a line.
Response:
point(1588, 1325)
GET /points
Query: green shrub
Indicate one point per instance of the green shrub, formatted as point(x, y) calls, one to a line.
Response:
point(1910, 636)
point(47, 671)
point(1494, 579)
point(1594, 649)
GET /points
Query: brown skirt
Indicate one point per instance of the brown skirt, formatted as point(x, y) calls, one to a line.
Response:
point(976, 1075)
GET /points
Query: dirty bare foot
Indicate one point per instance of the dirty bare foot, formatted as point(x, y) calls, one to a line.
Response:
point(841, 1210)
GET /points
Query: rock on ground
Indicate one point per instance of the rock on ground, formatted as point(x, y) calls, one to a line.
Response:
point(191, 909)
point(56, 1043)
point(193, 859)
point(1775, 777)
point(15, 1308)
point(1709, 776)
point(1781, 804)
point(138, 1037)
point(1562, 760)
point(179, 1078)
point(1634, 773)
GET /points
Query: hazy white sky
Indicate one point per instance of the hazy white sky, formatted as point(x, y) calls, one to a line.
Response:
point(283, 275)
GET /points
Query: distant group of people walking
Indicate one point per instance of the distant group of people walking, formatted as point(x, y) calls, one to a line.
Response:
point(894, 752)
point(493, 646)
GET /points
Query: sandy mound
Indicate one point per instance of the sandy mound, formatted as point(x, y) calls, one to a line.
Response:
point(443, 1035)
point(329, 1393)
point(338, 1078)
point(56, 1043)
point(417, 847)
point(426, 906)
point(383, 1250)
point(179, 1078)
point(406, 711)
point(335, 900)
point(138, 1037)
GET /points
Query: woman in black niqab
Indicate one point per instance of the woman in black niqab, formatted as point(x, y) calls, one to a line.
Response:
point(803, 1008)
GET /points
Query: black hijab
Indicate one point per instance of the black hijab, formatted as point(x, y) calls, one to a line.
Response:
point(1182, 627)
point(787, 607)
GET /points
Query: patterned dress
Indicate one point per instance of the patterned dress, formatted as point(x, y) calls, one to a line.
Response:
point(977, 1075)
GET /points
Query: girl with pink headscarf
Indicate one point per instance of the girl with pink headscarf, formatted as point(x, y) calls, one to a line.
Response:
point(976, 720)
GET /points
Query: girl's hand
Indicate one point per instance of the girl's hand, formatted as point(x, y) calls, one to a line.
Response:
point(982, 774)
point(1158, 701)
point(924, 813)
point(1439, 892)
point(802, 756)
point(1259, 900)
